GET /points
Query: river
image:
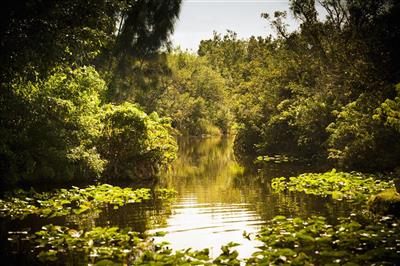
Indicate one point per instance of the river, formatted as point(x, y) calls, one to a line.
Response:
point(218, 201)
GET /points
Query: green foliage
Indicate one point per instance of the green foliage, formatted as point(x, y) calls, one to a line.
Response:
point(40, 35)
point(165, 256)
point(245, 67)
point(306, 119)
point(294, 241)
point(135, 144)
point(389, 111)
point(62, 132)
point(195, 96)
point(76, 200)
point(228, 257)
point(354, 187)
point(54, 134)
point(357, 140)
point(313, 93)
point(53, 123)
point(93, 246)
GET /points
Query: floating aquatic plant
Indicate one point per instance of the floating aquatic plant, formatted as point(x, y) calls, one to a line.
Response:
point(340, 185)
point(278, 158)
point(73, 201)
point(115, 246)
point(286, 241)
point(315, 242)
point(165, 194)
point(53, 242)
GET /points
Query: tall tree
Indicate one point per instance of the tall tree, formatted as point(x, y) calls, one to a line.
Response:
point(37, 35)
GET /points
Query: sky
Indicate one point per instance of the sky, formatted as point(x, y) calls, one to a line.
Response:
point(200, 18)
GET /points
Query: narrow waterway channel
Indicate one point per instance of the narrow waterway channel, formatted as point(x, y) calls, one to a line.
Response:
point(220, 201)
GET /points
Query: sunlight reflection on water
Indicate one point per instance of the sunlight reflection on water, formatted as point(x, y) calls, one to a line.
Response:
point(211, 225)
point(218, 199)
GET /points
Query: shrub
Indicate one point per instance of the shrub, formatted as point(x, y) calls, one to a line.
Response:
point(135, 144)
point(57, 130)
point(49, 128)
point(358, 141)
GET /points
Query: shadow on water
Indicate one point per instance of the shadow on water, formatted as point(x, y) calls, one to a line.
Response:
point(218, 199)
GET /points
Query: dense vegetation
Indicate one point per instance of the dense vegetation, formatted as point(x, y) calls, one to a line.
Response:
point(324, 91)
point(61, 116)
point(195, 97)
point(91, 91)
point(355, 187)
point(185, 88)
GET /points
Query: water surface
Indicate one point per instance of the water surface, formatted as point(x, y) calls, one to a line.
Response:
point(220, 200)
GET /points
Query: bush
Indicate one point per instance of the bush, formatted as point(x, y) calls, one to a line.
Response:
point(389, 111)
point(57, 130)
point(358, 141)
point(135, 144)
point(49, 128)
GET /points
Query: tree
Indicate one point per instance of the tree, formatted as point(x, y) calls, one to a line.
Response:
point(195, 96)
point(52, 98)
point(50, 128)
point(39, 35)
point(314, 92)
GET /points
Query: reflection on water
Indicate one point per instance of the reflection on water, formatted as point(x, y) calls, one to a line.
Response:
point(211, 226)
point(218, 200)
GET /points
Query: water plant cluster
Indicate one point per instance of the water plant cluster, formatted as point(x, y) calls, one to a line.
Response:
point(286, 241)
point(313, 241)
point(62, 202)
point(115, 246)
point(278, 158)
point(356, 187)
point(101, 243)
point(79, 244)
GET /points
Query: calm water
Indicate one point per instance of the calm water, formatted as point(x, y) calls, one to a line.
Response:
point(217, 201)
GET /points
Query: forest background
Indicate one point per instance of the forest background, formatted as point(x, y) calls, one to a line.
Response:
point(92, 90)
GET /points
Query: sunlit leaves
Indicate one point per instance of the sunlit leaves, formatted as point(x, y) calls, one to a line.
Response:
point(71, 201)
point(119, 246)
point(314, 241)
point(339, 185)
point(55, 135)
point(389, 111)
point(135, 144)
point(53, 242)
point(65, 133)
